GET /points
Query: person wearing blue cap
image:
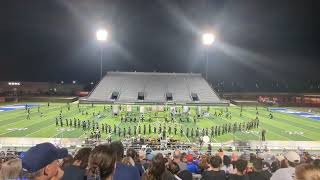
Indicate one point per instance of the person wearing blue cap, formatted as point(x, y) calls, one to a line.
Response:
point(149, 158)
point(41, 162)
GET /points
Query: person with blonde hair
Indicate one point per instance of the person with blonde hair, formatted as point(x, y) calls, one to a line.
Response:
point(307, 172)
point(128, 161)
point(11, 169)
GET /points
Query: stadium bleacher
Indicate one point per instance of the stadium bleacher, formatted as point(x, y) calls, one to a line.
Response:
point(154, 86)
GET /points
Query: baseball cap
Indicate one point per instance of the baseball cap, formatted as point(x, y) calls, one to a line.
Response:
point(245, 156)
point(40, 156)
point(149, 157)
point(189, 157)
point(292, 157)
point(269, 158)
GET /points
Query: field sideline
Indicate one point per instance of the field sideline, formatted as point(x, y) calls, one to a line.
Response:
point(281, 127)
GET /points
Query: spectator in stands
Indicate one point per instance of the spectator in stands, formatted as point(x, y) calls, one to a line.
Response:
point(227, 166)
point(177, 158)
point(307, 172)
point(283, 163)
point(123, 171)
point(131, 153)
point(316, 163)
point(136, 160)
point(1, 159)
point(102, 163)
point(184, 157)
point(203, 164)
point(142, 156)
point(293, 159)
point(67, 161)
point(258, 173)
point(128, 161)
point(77, 170)
point(147, 164)
point(275, 165)
point(185, 175)
point(9, 156)
point(245, 156)
point(253, 157)
point(220, 153)
point(173, 167)
point(157, 170)
point(191, 166)
point(306, 158)
point(234, 158)
point(11, 169)
point(241, 166)
point(41, 162)
point(214, 171)
point(167, 158)
point(140, 161)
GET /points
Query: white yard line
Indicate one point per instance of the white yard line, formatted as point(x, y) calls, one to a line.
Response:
point(39, 130)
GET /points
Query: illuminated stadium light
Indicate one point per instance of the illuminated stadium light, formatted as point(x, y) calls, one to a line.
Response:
point(73, 82)
point(91, 83)
point(102, 35)
point(62, 82)
point(14, 83)
point(208, 39)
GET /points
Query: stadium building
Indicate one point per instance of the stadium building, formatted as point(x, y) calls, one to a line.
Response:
point(154, 88)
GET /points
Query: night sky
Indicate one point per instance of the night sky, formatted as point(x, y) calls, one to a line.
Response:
point(53, 40)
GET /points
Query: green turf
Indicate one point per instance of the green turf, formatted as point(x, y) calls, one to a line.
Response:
point(277, 128)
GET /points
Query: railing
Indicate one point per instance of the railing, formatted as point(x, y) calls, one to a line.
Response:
point(163, 145)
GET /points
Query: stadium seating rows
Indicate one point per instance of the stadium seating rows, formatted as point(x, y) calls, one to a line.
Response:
point(108, 162)
point(154, 86)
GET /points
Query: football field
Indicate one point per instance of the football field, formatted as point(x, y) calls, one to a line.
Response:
point(286, 124)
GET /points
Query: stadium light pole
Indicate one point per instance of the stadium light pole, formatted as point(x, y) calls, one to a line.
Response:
point(102, 36)
point(207, 40)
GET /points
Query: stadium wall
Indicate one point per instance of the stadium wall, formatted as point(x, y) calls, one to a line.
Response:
point(279, 99)
point(47, 99)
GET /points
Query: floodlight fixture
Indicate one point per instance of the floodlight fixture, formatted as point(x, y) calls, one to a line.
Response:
point(102, 35)
point(208, 39)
